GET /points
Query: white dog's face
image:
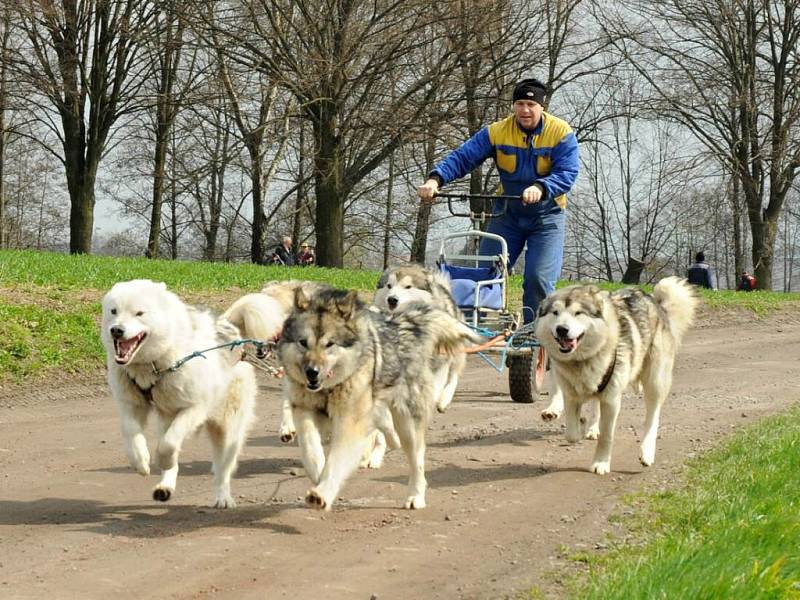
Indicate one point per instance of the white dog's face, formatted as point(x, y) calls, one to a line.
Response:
point(135, 317)
point(399, 286)
point(570, 324)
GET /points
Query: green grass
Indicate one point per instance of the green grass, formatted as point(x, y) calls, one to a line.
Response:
point(732, 531)
point(65, 271)
point(33, 340)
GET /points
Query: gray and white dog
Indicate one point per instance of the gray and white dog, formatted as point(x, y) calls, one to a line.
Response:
point(402, 285)
point(601, 342)
point(345, 365)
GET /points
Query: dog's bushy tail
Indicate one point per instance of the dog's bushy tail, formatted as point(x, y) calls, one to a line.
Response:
point(447, 334)
point(257, 316)
point(679, 299)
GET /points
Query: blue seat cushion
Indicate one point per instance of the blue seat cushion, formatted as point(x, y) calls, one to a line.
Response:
point(464, 282)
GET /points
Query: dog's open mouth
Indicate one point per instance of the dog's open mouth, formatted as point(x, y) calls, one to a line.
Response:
point(568, 344)
point(125, 349)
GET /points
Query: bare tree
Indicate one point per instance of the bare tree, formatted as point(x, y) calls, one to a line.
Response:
point(166, 48)
point(338, 69)
point(82, 59)
point(702, 59)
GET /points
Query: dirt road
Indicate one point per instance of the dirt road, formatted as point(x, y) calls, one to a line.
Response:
point(506, 492)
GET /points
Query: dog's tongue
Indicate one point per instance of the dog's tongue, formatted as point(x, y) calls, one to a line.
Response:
point(126, 347)
point(568, 343)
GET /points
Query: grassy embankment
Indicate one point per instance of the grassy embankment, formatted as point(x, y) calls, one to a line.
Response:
point(730, 530)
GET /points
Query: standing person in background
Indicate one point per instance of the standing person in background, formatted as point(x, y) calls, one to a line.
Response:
point(283, 254)
point(701, 273)
point(536, 154)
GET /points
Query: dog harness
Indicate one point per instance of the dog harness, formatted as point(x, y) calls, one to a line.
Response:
point(607, 376)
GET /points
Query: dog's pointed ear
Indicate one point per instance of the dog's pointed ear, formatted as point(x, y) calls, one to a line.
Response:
point(347, 304)
point(301, 300)
point(544, 307)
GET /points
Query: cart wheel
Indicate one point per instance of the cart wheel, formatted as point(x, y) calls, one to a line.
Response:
point(524, 378)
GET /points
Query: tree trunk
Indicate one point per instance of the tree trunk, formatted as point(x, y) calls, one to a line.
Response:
point(3, 94)
point(419, 244)
point(297, 220)
point(387, 228)
point(258, 242)
point(159, 166)
point(736, 209)
point(633, 273)
point(80, 183)
point(329, 187)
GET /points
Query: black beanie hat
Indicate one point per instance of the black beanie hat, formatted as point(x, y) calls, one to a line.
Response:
point(529, 89)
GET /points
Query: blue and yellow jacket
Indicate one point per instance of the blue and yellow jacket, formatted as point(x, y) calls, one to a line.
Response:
point(548, 155)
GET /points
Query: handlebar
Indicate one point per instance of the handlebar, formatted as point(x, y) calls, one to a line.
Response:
point(482, 216)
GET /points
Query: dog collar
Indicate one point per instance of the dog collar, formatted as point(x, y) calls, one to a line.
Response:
point(607, 376)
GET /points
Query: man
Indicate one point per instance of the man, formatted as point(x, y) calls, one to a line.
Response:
point(536, 155)
point(283, 254)
point(701, 273)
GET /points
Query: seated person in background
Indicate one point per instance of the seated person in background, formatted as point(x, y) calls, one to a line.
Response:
point(305, 257)
point(283, 255)
point(701, 273)
point(747, 283)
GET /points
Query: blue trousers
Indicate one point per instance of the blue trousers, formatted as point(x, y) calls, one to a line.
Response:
point(541, 231)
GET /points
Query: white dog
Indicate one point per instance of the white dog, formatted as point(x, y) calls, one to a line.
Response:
point(146, 330)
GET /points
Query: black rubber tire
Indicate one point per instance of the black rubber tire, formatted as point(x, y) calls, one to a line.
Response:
point(525, 377)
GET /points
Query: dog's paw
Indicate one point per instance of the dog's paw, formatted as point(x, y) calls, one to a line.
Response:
point(372, 461)
point(315, 500)
point(647, 459)
point(162, 493)
point(593, 432)
point(225, 501)
point(288, 435)
point(548, 414)
point(415, 502)
point(142, 466)
point(601, 468)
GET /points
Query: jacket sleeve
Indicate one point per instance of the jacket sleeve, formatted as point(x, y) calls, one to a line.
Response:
point(465, 158)
point(565, 167)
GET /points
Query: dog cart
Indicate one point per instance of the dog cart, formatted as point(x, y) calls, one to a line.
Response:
point(480, 288)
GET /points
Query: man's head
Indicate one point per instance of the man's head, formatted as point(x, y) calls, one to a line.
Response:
point(745, 274)
point(700, 257)
point(528, 98)
point(287, 241)
point(304, 247)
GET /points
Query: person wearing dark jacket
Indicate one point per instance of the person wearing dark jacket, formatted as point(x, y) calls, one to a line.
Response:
point(701, 273)
point(283, 254)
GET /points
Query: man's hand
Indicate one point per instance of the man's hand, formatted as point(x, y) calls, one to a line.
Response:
point(427, 191)
point(532, 194)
